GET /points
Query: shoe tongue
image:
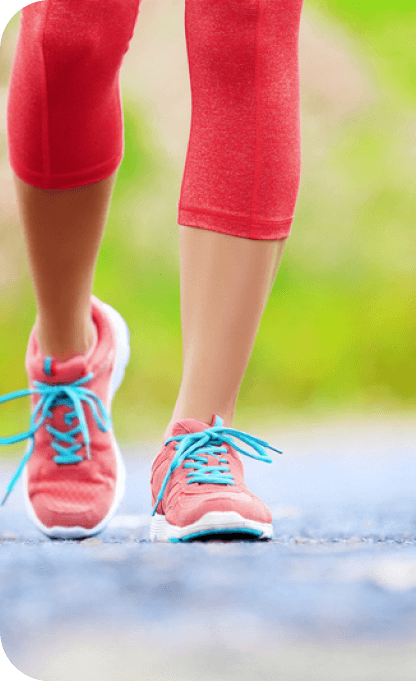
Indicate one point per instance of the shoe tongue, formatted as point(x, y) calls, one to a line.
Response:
point(191, 426)
point(50, 370)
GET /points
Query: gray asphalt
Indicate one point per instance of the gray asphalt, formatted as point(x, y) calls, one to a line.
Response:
point(341, 568)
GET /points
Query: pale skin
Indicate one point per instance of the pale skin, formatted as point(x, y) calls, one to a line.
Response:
point(225, 284)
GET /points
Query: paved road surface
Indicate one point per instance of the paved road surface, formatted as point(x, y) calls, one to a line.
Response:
point(333, 596)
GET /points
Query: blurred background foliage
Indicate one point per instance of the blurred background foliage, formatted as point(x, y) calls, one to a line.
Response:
point(338, 334)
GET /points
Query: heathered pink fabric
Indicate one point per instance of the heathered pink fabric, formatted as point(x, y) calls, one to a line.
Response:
point(242, 169)
point(64, 115)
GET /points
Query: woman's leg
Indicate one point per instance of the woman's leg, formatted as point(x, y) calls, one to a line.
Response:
point(65, 141)
point(63, 231)
point(239, 187)
point(225, 283)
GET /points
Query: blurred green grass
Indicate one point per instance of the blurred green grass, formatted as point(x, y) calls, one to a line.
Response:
point(338, 333)
point(387, 33)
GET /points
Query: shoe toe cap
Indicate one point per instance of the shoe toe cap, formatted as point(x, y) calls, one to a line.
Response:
point(68, 513)
point(248, 506)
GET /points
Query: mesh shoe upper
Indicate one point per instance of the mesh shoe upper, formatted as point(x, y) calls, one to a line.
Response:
point(184, 502)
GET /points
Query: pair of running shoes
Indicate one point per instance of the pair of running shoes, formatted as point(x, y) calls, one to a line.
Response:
point(73, 471)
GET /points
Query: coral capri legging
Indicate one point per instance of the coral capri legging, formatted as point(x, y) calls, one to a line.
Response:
point(242, 170)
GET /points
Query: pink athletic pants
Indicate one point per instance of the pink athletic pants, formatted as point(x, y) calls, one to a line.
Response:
point(242, 170)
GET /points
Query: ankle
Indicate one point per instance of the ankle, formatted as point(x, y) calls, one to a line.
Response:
point(206, 416)
point(63, 344)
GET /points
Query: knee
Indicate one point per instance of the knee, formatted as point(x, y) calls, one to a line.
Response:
point(74, 30)
point(216, 21)
point(247, 7)
point(284, 13)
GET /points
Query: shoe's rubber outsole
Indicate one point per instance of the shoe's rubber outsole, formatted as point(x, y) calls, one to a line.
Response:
point(213, 523)
point(122, 359)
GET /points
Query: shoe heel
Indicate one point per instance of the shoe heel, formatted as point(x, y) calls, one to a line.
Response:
point(123, 348)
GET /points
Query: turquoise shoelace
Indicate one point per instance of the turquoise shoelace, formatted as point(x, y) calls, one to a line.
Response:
point(71, 394)
point(209, 441)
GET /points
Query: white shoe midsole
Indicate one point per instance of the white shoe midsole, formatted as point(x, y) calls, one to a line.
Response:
point(161, 530)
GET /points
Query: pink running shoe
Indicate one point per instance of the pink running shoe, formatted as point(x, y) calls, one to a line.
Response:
point(74, 476)
point(212, 498)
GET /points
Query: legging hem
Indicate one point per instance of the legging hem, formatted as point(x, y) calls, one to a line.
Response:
point(242, 226)
point(67, 180)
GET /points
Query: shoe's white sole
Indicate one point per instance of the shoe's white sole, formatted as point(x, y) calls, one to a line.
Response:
point(213, 523)
point(122, 359)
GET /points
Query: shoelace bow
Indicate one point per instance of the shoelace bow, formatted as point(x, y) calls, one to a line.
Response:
point(52, 396)
point(192, 445)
